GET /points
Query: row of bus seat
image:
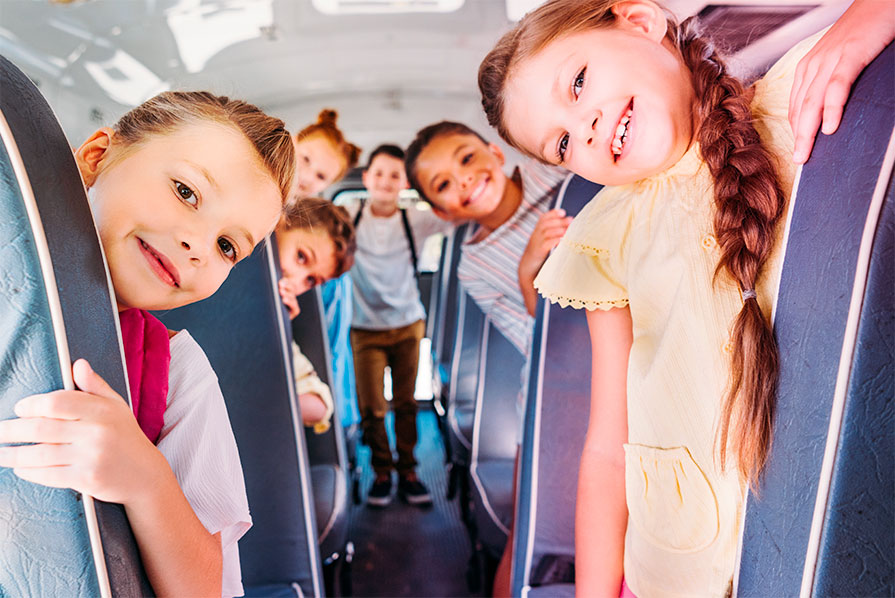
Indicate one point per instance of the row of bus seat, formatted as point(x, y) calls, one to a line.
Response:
point(57, 307)
point(823, 523)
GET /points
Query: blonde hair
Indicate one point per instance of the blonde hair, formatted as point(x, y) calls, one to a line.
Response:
point(326, 126)
point(747, 196)
point(314, 213)
point(172, 109)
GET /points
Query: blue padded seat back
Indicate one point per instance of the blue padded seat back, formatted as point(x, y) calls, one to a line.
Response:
point(465, 369)
point(309, 331)
point(327, 452)
point(496, 412)
point(242, 329)
point(450, 296)
point(823, 524)
point(55, 307)
point(556, 416)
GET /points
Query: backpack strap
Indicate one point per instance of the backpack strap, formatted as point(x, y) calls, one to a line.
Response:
point(360, 212)
point(409, 232)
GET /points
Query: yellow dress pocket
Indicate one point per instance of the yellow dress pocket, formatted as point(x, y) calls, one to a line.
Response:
point(670, 501)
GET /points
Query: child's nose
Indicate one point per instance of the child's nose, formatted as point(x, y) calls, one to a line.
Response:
point(588, 131)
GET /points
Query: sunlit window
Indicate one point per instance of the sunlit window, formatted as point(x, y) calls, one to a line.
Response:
point(347, 7)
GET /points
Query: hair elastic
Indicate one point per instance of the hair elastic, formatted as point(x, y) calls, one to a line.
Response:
point(748, 294)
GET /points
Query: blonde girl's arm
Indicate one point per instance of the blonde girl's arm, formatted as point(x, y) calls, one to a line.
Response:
point(88, 440)
point(825, 75)
point(601, 515)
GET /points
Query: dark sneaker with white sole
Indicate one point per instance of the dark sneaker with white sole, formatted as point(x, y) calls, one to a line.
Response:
point(412, 490)
point(380, 494)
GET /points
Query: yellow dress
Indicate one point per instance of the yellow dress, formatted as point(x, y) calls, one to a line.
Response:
point(649, 245)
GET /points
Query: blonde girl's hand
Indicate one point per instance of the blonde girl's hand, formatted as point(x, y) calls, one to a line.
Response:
point(87, 440)
point(290, 300)
point(825, 75)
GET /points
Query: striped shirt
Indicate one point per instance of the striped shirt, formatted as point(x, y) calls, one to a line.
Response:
point(488, 269)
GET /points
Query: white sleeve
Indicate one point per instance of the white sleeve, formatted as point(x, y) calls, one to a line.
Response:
point(198, 443)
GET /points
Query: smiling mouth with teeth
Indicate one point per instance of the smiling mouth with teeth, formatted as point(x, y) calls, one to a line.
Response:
point(621, 132)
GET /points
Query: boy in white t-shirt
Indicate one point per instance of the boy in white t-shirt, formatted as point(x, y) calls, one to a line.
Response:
point(388, 320)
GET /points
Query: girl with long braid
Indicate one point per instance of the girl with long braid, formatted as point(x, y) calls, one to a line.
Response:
point(677, 264)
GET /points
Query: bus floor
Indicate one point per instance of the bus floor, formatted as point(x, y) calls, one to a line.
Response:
point(402, 550)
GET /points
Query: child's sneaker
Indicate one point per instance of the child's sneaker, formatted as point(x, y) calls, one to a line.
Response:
point(380, 494)
point(411, 489)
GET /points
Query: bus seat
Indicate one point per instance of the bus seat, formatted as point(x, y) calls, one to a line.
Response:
point(555, 423)
point(328, 454)
point(824, 523)
point(55, 307)
point(242, 329)
point(465, 368)
point(448, 316)
point(493, 452)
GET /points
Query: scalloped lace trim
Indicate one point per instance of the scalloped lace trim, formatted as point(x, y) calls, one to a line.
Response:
point(588, 249)
point(588, 305)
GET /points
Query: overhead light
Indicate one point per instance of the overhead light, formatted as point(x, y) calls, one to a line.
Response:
point(202, 30)
point(347, 7)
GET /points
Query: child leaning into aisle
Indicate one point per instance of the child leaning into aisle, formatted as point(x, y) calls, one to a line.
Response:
point(388, 320)
point(461, 176)
point(684, 360)
point(315, 239)
point(181, 189)
point(323, 156)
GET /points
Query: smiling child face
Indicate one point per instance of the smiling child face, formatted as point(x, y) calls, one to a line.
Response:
point(307, 257)
point(176, 211)
point(461, 176)
point(613, 105)
point(317, 165)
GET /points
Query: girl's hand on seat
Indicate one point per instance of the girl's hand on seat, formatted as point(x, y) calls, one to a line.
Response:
point(825, 75)
point(87, 440)
point(289, 298)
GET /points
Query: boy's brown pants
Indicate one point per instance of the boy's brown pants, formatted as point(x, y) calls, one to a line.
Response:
point(398, 348)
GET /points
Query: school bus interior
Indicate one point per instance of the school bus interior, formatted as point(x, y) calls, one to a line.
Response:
point(823, 523)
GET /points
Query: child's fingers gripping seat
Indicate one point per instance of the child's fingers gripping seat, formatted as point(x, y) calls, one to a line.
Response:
point(55, 307)
point(242, 329)
point(824, 523)
point(556, 416)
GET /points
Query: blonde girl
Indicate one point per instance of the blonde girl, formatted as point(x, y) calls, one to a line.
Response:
point(181, 189)
point(677, 265)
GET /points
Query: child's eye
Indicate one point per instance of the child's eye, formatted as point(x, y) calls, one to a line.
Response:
point(320, 176)
point(186, 194)
point(578, 84)
point(441, 187)
point(562, 147)
point(466, 159)
point(302, 258)
point(227, 249)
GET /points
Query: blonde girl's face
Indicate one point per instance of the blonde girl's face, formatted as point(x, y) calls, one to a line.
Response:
point(307, 257)
point(613, 105)
point(176, 212)
point(317, 166)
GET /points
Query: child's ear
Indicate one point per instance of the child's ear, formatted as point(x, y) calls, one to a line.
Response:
point(642, 16)
point(92, 153)
point(498, 153)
